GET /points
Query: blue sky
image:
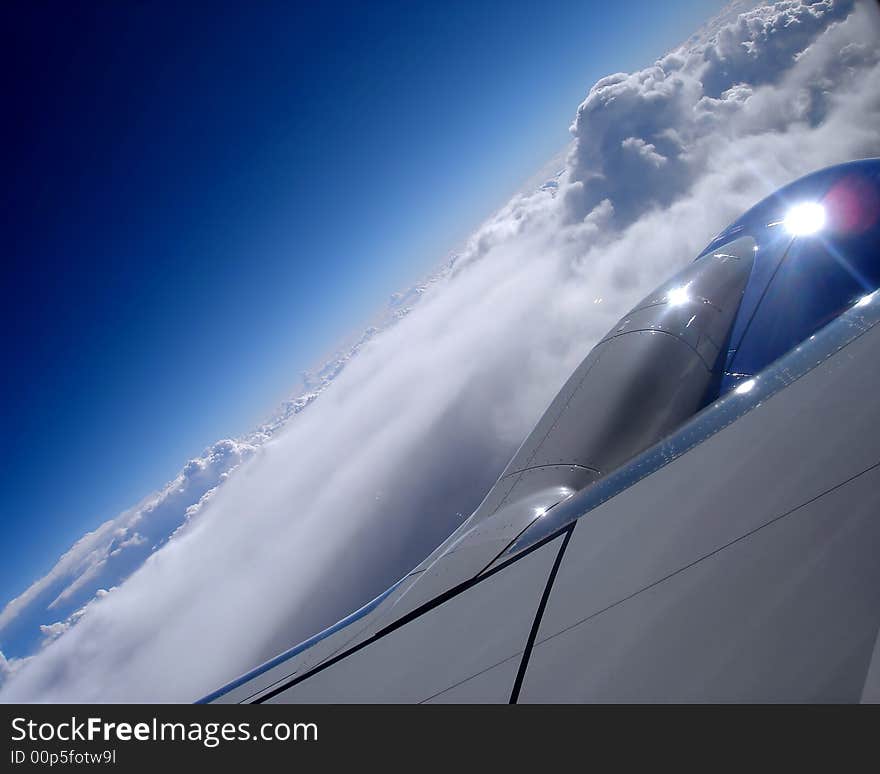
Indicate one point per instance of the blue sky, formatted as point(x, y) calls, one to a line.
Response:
point(198, 204)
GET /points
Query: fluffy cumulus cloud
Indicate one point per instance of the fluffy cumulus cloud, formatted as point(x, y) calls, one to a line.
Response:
point(331, 504)
point(110, 553)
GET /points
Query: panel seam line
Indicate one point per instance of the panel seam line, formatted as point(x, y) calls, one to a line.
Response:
point(539, 614)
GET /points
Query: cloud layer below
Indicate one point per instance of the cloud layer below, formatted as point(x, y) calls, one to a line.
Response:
point(263, 541)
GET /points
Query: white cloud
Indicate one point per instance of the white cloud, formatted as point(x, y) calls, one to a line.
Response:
point(8, 667)
point(646, 151)
point(54, 630)
point(336, 505)
point(111, 552)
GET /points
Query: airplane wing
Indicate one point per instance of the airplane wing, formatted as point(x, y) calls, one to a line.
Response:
point(695, 517)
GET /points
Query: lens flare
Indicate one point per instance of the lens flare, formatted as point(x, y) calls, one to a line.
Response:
point(804, 219)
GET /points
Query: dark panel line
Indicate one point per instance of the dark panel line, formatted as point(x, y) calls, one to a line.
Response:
point(553, 465)
point(744, 536)
point(561, 411)
point(247, 699)
point(865, 325)
point(516, 537)
point(471, 677)
point(675, 336)
point(412, 615)
point(736, 345)
point(715, 418)
point(524, 663)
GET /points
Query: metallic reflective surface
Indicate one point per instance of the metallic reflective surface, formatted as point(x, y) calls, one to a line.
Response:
point(845, 329)
point(285, 660)
point(817, 254)
point(788, 612)
point(744, 570)
point(415, 665)
point(473, 551)
point(692, 519)
point(651, 372)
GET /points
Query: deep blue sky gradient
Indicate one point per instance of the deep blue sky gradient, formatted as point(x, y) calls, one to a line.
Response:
point(199, 199)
